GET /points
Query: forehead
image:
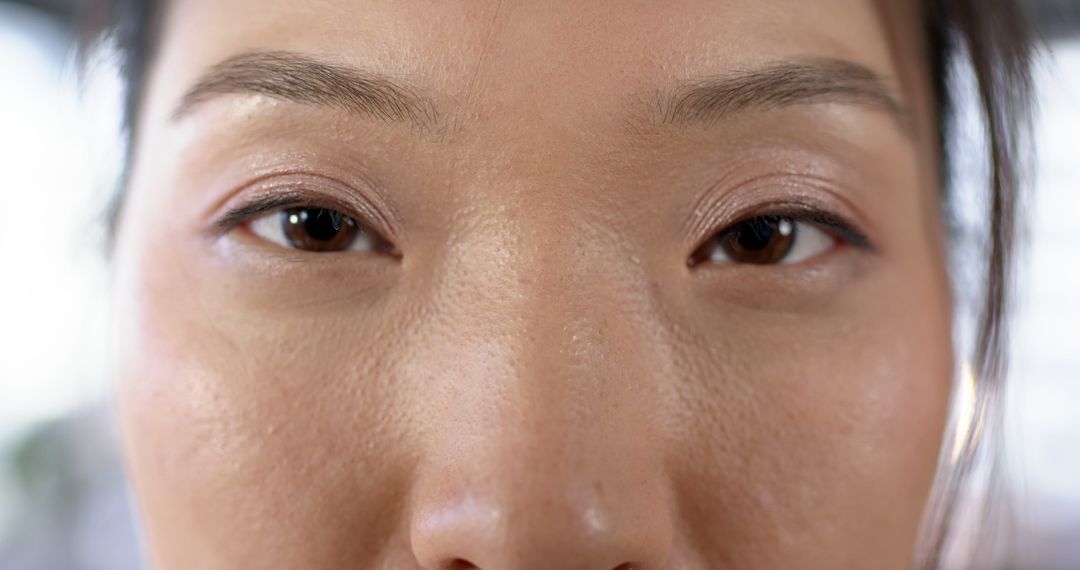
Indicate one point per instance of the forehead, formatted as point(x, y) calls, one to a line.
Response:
point(556, 57)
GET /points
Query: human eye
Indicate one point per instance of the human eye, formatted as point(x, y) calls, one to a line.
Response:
point(778, 238)
point(305, 225)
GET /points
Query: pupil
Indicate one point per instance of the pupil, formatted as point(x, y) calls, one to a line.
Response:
point(319, 229)
point(321, 224)
point(761, 240)
point(756, 233)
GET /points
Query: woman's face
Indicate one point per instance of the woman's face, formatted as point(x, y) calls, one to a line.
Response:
point(520, 284)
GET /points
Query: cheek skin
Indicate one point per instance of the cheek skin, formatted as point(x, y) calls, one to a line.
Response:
point(826, 415)
point(827, 425)
point(256, 437)
point(812, 476)
point(246, 426)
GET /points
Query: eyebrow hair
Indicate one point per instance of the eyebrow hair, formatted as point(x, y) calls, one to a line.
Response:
point(780, 85)
point(302, 79)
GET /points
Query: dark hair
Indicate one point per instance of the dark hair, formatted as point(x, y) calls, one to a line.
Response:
point(994, 39)
point(990, 37)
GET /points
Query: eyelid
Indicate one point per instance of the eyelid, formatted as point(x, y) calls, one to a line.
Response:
point(800, 183)
point(828, 222)
point(254, 212)
point(301, 190)
point(269, 204)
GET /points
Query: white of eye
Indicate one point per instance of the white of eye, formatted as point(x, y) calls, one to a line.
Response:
point(269, 227)
point(810, 241)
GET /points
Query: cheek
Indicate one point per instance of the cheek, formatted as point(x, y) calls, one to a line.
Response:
point(243, 432)
point(820, 430)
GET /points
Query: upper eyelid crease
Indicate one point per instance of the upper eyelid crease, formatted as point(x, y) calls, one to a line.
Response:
point(714, 208)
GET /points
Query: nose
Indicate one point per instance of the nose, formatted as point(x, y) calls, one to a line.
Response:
point(544, 453)
point(529, 502)
point(543, 417)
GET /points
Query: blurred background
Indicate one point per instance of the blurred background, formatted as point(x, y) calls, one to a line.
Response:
point(64, 501)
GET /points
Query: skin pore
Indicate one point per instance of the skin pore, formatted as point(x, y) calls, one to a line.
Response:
point(539, 353)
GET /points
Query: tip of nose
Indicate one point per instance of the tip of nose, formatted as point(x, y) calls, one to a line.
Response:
point(465, 538)
point(462, 564)
point(459, 564)
point(466, 543)
point(524, 527)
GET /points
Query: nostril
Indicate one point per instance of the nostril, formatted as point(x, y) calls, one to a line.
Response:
point(625, 566)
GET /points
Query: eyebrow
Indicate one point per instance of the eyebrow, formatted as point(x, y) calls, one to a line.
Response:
point(302, 79)
point(779, 85)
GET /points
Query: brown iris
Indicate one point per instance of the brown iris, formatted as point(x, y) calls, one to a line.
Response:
point(760, 240)
point(319, 229)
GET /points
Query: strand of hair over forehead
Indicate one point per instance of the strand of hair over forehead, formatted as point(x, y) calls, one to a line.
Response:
point(991, 35)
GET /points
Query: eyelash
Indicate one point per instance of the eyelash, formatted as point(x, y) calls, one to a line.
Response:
point(835, 226)
point(250, 217)
point(244, 214)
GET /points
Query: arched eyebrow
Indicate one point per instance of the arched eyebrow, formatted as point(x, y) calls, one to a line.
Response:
point(302, 79)
point(780, 85)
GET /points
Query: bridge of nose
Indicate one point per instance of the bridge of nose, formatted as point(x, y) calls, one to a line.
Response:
point(542, 400)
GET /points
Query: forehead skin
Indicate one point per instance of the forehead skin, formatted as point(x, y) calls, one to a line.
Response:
point(540, 381)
